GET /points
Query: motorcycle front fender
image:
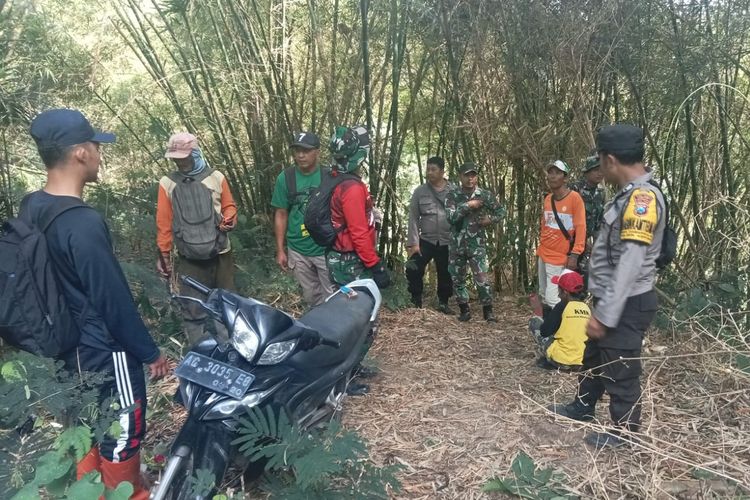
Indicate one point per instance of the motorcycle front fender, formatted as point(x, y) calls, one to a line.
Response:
point(210, 445)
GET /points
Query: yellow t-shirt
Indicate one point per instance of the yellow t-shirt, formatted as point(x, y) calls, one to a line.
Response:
point(567, 348)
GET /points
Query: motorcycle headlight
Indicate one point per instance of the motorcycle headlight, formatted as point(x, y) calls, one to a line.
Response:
point(228, 408)
point(234, 407)
point(244, 339)
point(277, 352)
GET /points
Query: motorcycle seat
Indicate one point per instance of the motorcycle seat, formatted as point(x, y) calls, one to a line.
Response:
point(342, 319)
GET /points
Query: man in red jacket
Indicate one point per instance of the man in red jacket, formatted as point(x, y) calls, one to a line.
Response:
point(353, 255)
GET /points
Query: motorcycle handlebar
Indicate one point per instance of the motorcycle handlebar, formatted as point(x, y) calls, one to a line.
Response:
point(330, 343)
point(195, 284)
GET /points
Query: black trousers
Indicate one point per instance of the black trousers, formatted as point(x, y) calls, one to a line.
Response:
point(613, 364)
point(416, 265)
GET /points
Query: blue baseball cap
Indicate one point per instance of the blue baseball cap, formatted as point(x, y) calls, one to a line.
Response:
point(65, 127)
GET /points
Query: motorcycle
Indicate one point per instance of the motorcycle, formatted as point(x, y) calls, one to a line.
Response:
point(300, 366)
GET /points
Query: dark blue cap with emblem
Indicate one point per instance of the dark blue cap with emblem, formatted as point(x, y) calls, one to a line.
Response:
point(620, 138)
point(60, 128)
point(305, 140)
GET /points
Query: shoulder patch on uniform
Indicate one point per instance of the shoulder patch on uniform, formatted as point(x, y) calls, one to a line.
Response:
point(639, 219)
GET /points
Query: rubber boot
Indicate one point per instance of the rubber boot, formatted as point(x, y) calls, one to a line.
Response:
point(489, 317)
point(129, 470)
point(465, 312)
point(89, 463)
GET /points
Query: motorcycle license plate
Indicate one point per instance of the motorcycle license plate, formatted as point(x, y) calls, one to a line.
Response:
point(215, 375)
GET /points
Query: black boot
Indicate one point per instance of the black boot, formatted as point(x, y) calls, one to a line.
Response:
point(611, 440)
point(489, 317)
point(416, 300)
point(465, 313)
point(576, 410)
point(444, 308)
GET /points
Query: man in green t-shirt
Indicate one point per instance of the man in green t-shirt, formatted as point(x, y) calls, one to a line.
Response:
point(290, 194)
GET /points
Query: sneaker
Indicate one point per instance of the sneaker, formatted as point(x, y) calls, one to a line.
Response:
point(602, 440)
point(444, 308)
point(575, 411)
point(543, 362)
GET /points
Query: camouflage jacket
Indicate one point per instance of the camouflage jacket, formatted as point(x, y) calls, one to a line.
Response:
point(464, 221)
point(593, 200)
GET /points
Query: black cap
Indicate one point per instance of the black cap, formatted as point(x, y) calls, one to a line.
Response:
point(305, 140)
point(620, 138)
point(468, 167)
point(65, 127)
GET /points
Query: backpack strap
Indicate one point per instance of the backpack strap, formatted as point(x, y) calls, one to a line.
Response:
point(43, 222)
point(178, 177)
point(434, 194)
point(44, 219)
point(52, 213)
point(290, 176)
point(560, 225)
point(664, 199)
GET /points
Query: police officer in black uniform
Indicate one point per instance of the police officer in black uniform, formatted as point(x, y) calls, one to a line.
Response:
point(622, 271)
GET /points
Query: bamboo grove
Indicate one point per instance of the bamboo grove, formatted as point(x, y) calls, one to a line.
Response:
point(510, 85)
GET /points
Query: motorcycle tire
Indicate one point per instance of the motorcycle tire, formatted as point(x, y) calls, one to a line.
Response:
point(181, 487)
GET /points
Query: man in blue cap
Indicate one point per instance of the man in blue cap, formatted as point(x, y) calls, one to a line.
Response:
point(113, 341)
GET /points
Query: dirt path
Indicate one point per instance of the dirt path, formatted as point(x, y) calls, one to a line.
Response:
point(455, 403)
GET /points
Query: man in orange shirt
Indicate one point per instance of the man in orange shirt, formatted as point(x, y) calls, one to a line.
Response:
point(563, 232)
point(194, 212)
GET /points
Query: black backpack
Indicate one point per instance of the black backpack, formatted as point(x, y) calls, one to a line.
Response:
point(318, 213)
point(669, 240)
point(668, 250)
point(34, 315)
point(290, 179)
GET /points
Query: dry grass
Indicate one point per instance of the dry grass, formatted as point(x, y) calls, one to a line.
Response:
point(455, 403)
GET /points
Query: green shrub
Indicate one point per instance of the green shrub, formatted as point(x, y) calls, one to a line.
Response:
point(530, 482)
point(323, 464)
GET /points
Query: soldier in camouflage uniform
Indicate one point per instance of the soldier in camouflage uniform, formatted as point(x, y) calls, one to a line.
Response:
point(470, 209)
point(593, 198)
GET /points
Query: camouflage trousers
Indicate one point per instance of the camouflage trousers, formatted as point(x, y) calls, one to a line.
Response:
point(344, 267)
point(462, 258)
